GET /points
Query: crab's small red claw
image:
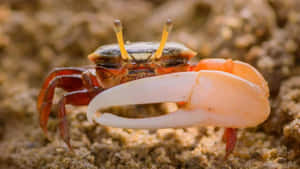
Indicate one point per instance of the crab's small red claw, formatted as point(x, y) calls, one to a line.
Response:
point(230, 137)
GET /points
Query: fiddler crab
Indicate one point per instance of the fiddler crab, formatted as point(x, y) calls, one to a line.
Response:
point(217, 92)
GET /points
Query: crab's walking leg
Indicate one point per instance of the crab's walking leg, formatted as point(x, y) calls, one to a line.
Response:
point(230, 137)
point(46, 94)
point(67, 82)
point(69, 79)
point(53, 74)
point(81, 97)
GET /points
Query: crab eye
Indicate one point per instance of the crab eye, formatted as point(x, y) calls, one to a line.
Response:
point(174, 62)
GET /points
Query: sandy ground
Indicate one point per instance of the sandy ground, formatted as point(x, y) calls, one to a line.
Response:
point(37, 36)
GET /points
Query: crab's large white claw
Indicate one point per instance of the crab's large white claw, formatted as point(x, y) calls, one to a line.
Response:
point(213, 98)
point(176, 87)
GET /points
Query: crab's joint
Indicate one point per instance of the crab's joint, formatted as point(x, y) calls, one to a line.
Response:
point(119, 33)
point(166, 30)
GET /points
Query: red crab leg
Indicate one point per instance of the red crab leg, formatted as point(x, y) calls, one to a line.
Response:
point(229, 135)
point(69, 79)
point(81, 97)
point(67, 82)
point(54, 73)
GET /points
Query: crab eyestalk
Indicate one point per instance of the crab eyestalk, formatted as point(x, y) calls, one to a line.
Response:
point(166, 30)
point(119, 33)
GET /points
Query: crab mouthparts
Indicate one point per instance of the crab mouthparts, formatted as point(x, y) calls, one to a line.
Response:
point(213, 98)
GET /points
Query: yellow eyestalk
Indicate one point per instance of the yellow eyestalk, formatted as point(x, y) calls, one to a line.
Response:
point(119, 33)
point(167, 29)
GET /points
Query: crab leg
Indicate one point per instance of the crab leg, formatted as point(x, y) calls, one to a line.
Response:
point(230, 137)
point(213, 98)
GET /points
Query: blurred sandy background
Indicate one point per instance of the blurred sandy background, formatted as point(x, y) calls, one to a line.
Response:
point(37, 36)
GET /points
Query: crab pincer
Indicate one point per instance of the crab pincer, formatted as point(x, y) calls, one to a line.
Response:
point(232, 100)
